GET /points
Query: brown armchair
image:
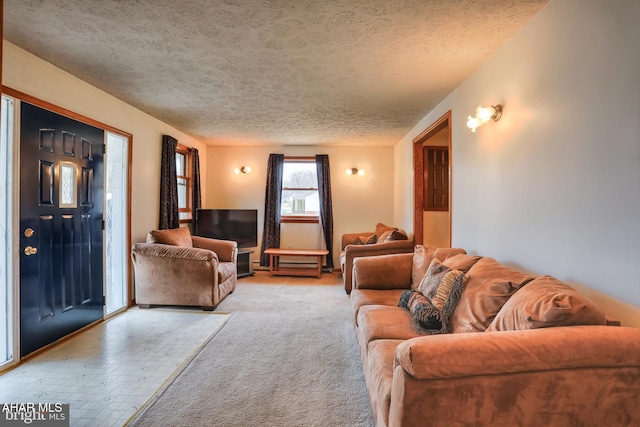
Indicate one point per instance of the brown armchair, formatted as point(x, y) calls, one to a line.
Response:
point(175, 268)
point(384, 241)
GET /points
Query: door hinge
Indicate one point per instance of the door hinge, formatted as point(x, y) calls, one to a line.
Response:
point(104, 148)
point(102, 224)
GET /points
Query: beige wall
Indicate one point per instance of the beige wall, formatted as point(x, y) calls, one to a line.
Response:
point(359, 202)
point(29, 74)
point(554, 186)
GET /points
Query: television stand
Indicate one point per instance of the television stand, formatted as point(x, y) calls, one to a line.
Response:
point(244, 263)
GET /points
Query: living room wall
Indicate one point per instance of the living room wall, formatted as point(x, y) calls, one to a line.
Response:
point(359, 202)
point(29, 74)
point(554, 186)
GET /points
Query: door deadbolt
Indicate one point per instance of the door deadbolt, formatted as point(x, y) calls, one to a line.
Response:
point(28, 232)
point(30, 250)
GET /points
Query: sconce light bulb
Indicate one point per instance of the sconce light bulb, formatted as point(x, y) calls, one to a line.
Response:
point(484, 114)
point(243, 169)
point(473, 123)
point(354, 171)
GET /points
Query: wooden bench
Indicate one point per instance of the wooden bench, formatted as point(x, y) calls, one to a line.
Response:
point(276, 253)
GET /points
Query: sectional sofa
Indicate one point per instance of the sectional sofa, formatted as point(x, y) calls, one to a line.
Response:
point(450, 339)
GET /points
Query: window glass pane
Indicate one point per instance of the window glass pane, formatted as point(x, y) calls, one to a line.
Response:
point(180, 160)
point(182, 193)
point(300, 175)
point(300, 202)
point(68, 180)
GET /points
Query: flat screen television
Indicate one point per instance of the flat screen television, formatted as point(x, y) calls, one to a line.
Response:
point(240, 225)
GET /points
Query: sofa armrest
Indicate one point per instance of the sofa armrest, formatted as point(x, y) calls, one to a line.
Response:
point(226, 250)
point(564, 375)
point(507, 352)
point(354, 251)
point(350, 238)
point(383, 272)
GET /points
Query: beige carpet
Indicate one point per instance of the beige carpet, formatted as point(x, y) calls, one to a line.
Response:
point(286, 357)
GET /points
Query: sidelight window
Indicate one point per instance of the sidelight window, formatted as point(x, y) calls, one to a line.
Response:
point(6, 241)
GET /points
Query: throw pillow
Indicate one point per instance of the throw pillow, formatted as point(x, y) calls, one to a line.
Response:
point(366, 240)
point(381, 228)
point(440, 292)
point(546, 302)
point(174, 236)
point(418, 306)
point(396, 235)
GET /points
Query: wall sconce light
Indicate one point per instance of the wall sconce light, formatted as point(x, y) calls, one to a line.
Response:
point(483, 115)
point(354, 171)
point(243, 169)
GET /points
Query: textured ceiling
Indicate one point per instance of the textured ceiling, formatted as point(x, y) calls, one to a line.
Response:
point(272, 71)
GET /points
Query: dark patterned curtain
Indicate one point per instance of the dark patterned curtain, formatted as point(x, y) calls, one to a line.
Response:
point(196, 196)
point(168, 185)
point(326, 206)
point(273, 197)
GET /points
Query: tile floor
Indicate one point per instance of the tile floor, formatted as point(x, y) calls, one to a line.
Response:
point(108, 372)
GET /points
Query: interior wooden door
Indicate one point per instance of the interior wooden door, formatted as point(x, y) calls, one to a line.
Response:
point(61, 204)
point(440, 127)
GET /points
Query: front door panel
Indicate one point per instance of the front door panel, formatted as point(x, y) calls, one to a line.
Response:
point(61, 202)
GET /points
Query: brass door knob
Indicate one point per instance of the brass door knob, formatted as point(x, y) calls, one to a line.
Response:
point(30, 250)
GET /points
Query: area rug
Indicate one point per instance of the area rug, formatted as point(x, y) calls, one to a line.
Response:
point(286, 357)
point(110, 370)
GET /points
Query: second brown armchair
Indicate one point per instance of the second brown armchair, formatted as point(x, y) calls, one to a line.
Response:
point(384, 241)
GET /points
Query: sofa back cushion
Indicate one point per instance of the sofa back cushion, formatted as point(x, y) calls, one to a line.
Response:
point(422, 257)
point(174, 236)
point(461, 261)
point(489, 286)
point(546, 302)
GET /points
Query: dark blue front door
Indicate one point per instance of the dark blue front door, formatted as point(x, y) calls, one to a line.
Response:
point(61, 203)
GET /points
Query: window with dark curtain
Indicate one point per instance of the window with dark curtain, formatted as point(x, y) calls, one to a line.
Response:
point(196, 196)
point(326, 206)
point(271, 227)
point(169, 217)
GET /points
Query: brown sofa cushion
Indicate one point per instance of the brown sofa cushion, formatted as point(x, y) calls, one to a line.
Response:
point(545, 302)
point(489, 287)
point(175, 236)
point(422, 257)
point(461, 261)
point(377, 322)
point(362, 297)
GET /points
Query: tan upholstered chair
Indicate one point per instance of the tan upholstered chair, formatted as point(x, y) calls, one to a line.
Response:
point(384, 241)
point(175, 268)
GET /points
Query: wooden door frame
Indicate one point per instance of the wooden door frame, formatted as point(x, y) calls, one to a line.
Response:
point(419, 142)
